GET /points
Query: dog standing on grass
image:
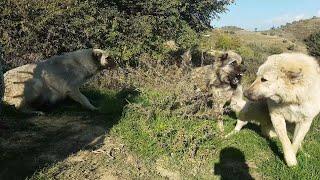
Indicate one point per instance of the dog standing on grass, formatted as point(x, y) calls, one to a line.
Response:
point(290, 84)
point(220, 79)
point(34, 85)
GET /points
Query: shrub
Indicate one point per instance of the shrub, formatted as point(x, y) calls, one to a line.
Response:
point(31, 30)
point(245, 52)
point(227, 42)
point(275, 50)
point(313, 44)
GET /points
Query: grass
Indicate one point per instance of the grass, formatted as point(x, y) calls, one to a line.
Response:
point(185, 141)
point(61, 144)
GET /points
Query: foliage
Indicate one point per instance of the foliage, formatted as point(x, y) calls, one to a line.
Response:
point(245, 52)
point(313, 44)
point(32, 30)
point(275, 49)
point(227, 42)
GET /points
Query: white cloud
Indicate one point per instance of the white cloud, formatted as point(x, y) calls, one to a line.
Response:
point(318, 13)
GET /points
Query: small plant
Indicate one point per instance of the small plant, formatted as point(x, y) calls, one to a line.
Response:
point(275, 50)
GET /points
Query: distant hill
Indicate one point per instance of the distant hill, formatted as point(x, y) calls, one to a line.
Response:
point(231, 28)
point(298, 30)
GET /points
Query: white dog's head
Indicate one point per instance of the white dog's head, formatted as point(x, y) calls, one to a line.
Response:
point(104, 58)
point(283, 78)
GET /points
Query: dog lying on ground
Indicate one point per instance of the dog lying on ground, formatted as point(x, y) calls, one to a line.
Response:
point(35, 85)
point(290, 85)
point(251, 111)
point(219, 79)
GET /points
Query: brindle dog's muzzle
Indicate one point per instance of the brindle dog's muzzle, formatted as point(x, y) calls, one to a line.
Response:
point(236, 77)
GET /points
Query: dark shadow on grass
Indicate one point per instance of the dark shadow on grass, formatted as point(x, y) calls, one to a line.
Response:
point(30, 143)
point(232, 165)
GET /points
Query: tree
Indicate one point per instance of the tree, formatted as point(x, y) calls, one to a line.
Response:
point(33, 30)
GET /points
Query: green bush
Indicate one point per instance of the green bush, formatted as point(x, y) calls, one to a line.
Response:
point(245, 52)
point(275, 50)
point(31, 30)
point(227, 42)
point(313, 44)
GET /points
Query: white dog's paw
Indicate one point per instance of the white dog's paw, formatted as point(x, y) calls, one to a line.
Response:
point(272, 134)
point(291, 159)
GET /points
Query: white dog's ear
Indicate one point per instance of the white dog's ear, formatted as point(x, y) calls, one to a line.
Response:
point(294, 76)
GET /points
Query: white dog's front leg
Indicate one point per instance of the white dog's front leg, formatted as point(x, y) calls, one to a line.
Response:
point(300, 132)
point(240, 125)
point(80, 98)
point(279, 125)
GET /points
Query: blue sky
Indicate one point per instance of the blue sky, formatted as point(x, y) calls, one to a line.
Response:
point(264, 14)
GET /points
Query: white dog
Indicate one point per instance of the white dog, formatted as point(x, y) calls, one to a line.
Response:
point(54, 79)
point(290, 84)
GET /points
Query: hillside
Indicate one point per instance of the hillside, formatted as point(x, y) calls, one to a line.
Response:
point(298, 30)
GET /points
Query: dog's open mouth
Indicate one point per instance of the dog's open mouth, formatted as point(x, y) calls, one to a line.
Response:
point(235, 80)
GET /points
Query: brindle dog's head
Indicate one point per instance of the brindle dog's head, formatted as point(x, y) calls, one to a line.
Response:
point(230, 68)
point(105, 61)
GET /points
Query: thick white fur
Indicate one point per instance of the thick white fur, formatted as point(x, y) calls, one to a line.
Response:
point(251, 111)
point(53, 79)
point(290, 83)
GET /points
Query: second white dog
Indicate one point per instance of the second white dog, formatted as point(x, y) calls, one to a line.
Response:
point(290, 84)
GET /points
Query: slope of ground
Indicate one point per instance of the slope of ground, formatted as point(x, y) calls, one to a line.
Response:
point(142, 141)
point(298, 30)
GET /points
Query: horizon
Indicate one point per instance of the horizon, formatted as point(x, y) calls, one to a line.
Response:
point(263, 15)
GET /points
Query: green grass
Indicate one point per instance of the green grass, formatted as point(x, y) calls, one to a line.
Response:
point(190, 140)
point(188, 148)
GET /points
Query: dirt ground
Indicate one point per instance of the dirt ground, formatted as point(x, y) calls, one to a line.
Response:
point(30, 143)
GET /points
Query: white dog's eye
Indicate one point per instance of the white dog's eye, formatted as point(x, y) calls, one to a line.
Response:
point(263, 80)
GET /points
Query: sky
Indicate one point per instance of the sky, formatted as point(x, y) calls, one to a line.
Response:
point(264, 14)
